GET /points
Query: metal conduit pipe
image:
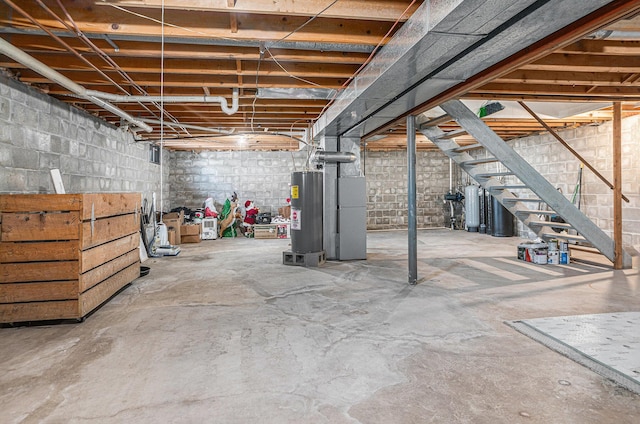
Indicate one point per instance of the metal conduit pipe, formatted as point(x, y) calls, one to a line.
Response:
point(116, 98)
point(34, 64)
point(334, 157)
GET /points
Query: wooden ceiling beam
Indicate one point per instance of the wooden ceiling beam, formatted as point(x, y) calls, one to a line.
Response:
point(91, 81)
point(558, 90)
point(192, 67)
point(582, 63)
point(550, 97)
point(378, 10)
point(41, 45)
point(524, 76)
point(181, 23)
point(603, 47)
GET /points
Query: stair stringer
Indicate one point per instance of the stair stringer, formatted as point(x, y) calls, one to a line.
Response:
point(524, 172)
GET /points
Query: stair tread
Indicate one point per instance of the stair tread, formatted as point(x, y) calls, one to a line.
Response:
point(536, 212)
point(510, 187)
point(493, 174)
point(523, 199)
point(467, 147)
point(452, 134)
point(564, 236)
point(551, 224)
point(478, 161)
point(434, 122)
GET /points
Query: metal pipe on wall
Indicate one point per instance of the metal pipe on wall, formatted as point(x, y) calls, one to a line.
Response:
point(53, 75)
point(334, 157)
point(116, 98)
point(413, 235)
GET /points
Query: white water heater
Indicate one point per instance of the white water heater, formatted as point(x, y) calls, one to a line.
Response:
point(472, 208)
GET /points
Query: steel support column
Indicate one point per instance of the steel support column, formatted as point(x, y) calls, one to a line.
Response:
point(413, 237)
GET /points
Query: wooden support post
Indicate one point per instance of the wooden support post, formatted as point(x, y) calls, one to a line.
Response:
point(617, 184)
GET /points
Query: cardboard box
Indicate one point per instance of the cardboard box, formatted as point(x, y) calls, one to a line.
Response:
point(191, 239)
point(174, 215)
point(172, 237)
point(190, 230)
point(285, 211)
point(283, 230)
point(173, 221)
point(265, 231)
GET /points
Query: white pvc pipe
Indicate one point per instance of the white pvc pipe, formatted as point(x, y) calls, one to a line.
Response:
point(53, 75)
point(116, 98)
point(186, 126)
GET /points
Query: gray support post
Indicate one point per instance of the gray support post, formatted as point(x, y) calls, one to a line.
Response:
point(413, 237)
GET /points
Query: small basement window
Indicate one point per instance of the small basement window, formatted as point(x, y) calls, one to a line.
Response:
point(154, 154)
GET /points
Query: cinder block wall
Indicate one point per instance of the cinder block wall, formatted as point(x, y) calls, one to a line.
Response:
point(39, 133)
point(263, 177)
point(595, 144)
point(386, 174)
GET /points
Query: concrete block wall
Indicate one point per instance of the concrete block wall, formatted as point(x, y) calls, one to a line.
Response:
point(39, 133)
point(594, 143)
point(386, 175)
point(263, 177)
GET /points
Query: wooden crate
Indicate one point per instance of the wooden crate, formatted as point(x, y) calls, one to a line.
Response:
point(63, 255)
point(265, 231)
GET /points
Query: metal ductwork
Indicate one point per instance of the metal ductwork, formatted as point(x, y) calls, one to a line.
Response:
point(333, 157)
point(53, 75)
point(443, 45)
point(614, 35)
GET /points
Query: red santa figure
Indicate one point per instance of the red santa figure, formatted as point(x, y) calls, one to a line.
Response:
point(251, 213)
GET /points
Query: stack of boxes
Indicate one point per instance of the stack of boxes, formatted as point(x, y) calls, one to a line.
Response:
point(554, 252)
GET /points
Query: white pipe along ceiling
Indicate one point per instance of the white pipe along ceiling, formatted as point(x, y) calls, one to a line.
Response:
point(101, 99)
point(443, 44)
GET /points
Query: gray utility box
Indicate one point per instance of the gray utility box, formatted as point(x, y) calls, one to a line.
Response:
point(352, 218)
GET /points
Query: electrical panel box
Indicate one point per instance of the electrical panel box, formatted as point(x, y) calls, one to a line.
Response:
point(209, 229)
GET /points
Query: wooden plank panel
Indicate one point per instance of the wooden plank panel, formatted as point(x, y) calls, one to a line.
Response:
point(39, 226)
point(39, 251)
point(107, 229)
point(380, 10)
point(38, 311)
point(109, 204)
point(39, 271)
point(30, 292)
point(39, 202)
point(106, 270)
point(98, 255)
point(95, 296)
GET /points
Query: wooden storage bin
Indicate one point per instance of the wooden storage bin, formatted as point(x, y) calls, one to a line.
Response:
point(63, 255)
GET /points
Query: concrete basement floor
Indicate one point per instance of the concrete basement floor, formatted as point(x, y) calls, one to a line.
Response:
point(224, 333)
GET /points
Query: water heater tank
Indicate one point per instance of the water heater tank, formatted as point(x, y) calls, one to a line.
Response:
point(306, 212)
point(472, 208)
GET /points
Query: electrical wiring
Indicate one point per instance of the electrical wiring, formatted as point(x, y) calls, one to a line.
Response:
point(255, 96)
point(368, 60)
point(149, 18)
point(264, 47)
point(307, 22)
point(73, 27)
point(290, 74)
